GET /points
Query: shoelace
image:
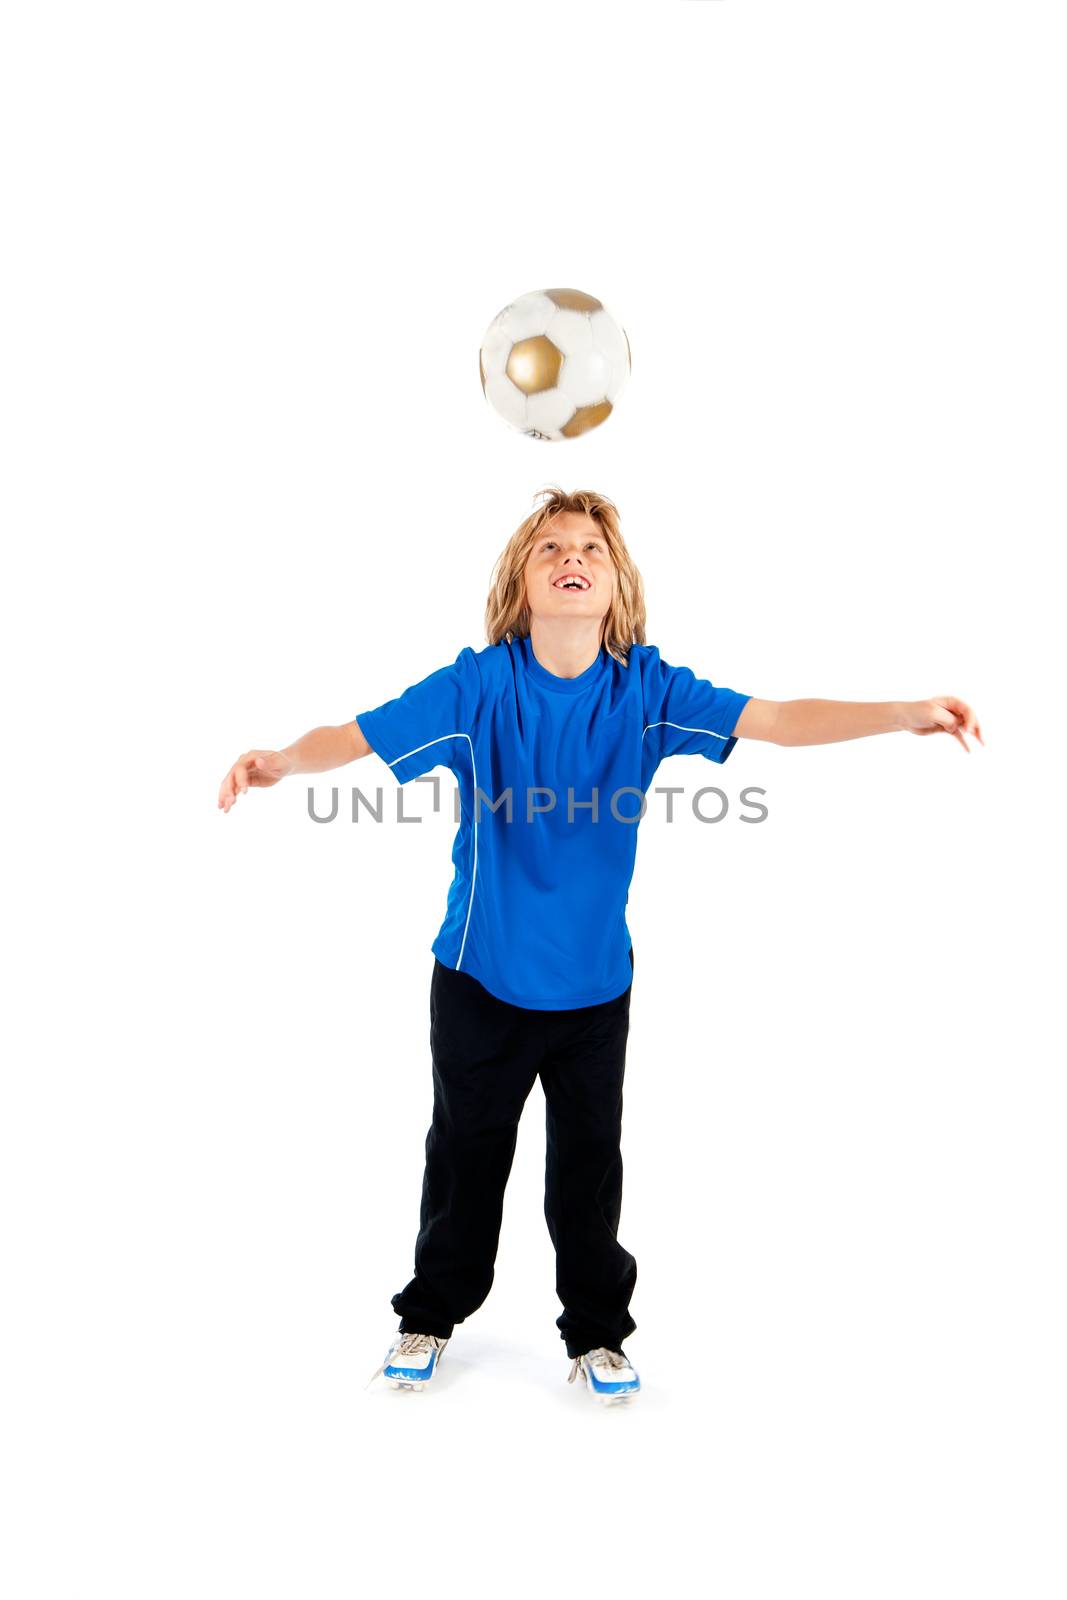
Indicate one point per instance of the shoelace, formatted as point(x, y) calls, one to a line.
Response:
point(605, 1358)
point(408, 1344)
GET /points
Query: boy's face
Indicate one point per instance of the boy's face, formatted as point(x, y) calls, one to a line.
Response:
point(569, 571)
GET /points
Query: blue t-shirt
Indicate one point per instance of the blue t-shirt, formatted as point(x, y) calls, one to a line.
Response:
point(537, 907)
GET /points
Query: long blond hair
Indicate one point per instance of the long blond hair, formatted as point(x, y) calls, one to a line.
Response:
point(507, 615)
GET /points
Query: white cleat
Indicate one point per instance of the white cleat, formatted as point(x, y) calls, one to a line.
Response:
point(412, 1360)
point(608, 1375)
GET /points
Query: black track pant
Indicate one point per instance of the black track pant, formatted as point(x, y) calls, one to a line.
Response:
point(486, 1055)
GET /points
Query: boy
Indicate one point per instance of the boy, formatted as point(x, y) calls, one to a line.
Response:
point(554, 732)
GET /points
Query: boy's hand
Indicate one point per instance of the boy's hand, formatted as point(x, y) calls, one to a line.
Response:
point(946, 714)
point(256, 769)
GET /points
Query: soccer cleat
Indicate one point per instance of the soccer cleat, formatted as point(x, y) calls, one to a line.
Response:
point(411, 1361)
point(608, 1375)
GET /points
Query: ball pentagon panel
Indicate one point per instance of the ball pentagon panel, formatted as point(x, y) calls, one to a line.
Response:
point(534, 364)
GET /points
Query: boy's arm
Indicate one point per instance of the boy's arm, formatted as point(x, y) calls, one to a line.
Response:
point(796, 722)
point(318, 751)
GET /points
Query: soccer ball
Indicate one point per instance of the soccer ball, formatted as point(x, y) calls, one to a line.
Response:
point(553, 363)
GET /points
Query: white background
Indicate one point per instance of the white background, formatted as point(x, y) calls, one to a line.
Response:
point(252, 486)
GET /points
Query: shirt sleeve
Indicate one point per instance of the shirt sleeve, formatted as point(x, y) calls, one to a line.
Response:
point(687, 715)
point(430, 724)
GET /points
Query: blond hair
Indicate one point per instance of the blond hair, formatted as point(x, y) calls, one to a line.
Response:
point(507, 615)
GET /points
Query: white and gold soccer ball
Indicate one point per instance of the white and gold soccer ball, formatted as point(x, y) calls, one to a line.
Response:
point(553, 363)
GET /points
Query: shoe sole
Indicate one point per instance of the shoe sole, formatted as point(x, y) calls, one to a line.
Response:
point(619, 1399)
point(417, 1385)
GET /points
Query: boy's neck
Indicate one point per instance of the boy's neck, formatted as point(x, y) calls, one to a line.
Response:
point(566, 648)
